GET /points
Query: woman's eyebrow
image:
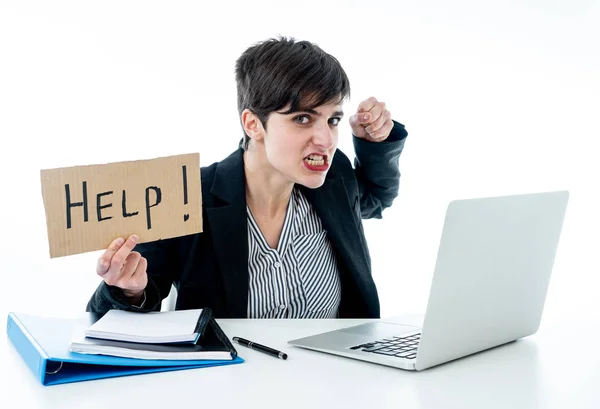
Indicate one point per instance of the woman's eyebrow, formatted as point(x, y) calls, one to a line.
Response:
point(312, 111)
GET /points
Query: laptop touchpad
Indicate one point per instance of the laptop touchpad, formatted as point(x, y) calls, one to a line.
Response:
point(379, 329)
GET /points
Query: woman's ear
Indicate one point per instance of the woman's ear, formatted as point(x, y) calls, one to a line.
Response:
point(252, 125)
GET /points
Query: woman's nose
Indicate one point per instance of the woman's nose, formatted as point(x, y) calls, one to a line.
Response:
point(323, 136)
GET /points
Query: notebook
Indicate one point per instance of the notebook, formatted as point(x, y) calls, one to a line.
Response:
point(171, 335)
point(152, 327)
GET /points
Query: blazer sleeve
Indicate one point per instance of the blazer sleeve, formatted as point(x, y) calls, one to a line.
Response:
point(377, 171)
point(160, 268)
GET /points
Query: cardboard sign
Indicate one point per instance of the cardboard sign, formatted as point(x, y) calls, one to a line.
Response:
point(87, 207)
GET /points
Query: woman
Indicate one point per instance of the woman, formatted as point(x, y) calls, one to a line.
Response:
point(282, 233)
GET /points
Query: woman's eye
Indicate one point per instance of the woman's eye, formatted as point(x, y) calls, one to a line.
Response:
point(302, 119)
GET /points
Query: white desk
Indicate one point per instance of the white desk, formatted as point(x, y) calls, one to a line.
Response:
point(559, 367)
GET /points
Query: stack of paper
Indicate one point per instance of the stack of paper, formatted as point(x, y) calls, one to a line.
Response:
point(173, 335)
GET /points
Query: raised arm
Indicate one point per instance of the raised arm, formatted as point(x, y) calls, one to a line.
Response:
point(378, 144)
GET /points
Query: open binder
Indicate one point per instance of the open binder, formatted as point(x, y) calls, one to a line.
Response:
point(43, 343)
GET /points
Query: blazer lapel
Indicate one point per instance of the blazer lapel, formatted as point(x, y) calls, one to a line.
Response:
point(231, 237)
point(331, 203)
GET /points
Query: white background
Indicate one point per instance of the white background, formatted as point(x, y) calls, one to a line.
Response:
point(497, 99)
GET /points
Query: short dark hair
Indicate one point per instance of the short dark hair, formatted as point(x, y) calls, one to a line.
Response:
point(281, 71)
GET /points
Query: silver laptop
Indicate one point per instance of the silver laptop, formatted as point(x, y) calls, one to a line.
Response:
point(489, 286)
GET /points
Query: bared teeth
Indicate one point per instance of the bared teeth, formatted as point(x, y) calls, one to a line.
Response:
point(315, 160)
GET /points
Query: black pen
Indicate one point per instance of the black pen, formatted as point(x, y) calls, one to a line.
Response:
point(259, 347)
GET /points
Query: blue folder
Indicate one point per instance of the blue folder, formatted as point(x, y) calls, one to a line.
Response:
point(43, 343)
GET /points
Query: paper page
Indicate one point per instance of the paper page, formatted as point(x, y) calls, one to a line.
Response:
point(152, 325)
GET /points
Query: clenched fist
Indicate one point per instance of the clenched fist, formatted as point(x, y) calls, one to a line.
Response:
point(372, 121)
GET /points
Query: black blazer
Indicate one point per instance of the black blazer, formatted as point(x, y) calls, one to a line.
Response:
point(210, 269)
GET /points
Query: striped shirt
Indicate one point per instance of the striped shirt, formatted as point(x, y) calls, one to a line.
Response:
point(298, 279)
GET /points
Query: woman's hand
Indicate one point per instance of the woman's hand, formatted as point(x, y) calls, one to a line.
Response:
point(372, 121)
point(122, 267)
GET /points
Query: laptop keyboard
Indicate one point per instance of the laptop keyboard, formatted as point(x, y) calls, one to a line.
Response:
point(401, 347)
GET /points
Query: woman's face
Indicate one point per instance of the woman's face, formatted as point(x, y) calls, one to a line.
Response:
point(300, 146)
